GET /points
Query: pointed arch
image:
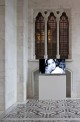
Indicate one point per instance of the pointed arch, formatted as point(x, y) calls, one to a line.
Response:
point(39, 36)
point(64, 36)
point(52, 36)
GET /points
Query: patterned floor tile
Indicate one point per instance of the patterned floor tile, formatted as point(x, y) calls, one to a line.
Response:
point(48, 109)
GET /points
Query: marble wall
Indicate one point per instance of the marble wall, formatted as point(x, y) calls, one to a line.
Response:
point(13, 52)
point(22, 49)
point(10, 53)
point(2, 54)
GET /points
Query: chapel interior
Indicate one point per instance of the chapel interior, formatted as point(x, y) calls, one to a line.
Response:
point(31, 30)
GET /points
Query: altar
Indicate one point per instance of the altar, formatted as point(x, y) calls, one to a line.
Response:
point(52, 87)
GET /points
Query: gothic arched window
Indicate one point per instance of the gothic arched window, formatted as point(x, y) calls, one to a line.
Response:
point(39, 36)
point(64, 36)
point(51, 36)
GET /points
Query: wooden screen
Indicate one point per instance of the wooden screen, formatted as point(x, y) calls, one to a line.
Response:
point(39, 36)
point(51, 36)
point(64, 36)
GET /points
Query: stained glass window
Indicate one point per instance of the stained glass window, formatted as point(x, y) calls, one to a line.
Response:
point(51, 36)
point(64, 36)
point(57, 36)
point(39, 36)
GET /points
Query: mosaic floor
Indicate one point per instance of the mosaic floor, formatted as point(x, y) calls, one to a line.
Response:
point(44, 111)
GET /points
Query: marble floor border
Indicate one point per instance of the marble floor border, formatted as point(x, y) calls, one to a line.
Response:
point(45, 119)
point(40, 120)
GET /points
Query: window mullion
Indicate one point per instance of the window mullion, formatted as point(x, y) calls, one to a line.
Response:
point(58, 56)
point(34, 56)
point(45, 56)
